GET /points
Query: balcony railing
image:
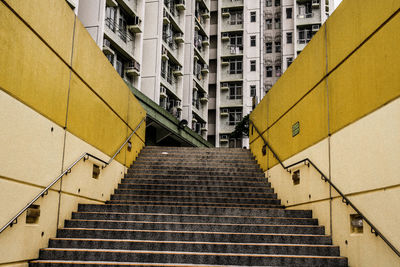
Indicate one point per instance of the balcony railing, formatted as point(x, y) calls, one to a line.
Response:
point(123, 32)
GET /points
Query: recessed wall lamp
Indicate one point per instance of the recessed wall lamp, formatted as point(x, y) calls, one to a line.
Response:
point(182, 124)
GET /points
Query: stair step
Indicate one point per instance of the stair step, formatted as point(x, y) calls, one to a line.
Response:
point(183, 160)
point(174, 235)
point(222, 173)
point(192, 199)
point(225, 188)
point(196, 164)
point(193, 193)
point(158, 166)
point(189, 257)
point(262, 212)
point(196, 226)
point(192, 176)
point(218, 247)
point(159, 217)
point(226, 183)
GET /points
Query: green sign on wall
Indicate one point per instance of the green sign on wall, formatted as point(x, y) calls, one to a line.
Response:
point(295, 129)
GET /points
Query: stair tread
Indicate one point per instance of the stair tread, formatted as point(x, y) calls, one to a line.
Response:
point(190, 253)
point(192, 242)
point(195, 223)
point(192, 232)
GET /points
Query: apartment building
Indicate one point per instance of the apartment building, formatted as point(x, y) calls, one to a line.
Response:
point(116, 26)
point(289, 26)
point(175, 69)
point(235, 67)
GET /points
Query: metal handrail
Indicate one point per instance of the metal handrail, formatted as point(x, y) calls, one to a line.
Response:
point(84, 156)
point(345, 200)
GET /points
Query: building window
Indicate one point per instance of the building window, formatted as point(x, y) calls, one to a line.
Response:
point(289, 37)
point(236, 18)
point(253, 40)
point(253, 16)
point(235, 116)
point(278, 70)
point(235, 66)
point(289, 61)
point(277, 2)
point(119, 66)
point(111, 14)
point(269, 71)
point(278, 47)
point(252, 90)
point(277, 23)
point(253, 65)
point(289, 12)
point(268, 3)
point(110, 58)
point(268, 47)
point(235, 91)
point(123, 26)
point(268, 24)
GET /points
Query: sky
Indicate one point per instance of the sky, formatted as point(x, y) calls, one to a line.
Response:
point(336, 3)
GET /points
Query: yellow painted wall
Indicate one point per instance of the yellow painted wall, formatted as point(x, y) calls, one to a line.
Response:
point(59, 98)
point(349, 124)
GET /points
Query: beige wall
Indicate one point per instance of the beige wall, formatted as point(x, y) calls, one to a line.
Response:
point(59, 98)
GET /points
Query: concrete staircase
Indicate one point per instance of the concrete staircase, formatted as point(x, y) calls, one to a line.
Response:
point(191, 207)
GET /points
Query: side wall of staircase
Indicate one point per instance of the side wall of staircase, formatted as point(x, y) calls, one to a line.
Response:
point(342, 94)
point(56, 104)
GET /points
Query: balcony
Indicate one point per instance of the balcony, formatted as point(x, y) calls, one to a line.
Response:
point(230, 25)
point(171, 47)
point(309, 18)
point(232, 50)
point(231, 3)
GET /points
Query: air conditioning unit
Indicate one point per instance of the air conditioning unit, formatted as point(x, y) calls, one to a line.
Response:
point(206, 15)
point(225, 13)
point(205, 70)
point(225, 62)
point(180, 4)
point(178, 71)
point(225, 36)
point(164, 53)
point(204, 98)
point(163, 92)
point(107, 48)
point(133, 69)
point(179, 37)
point(165, 17)
point(225, 86)
point(315, 3)
point(203, 126)
point(224, 112)
point(224, 138)
point(206, 41)
point(315, 28)
point(178, 104)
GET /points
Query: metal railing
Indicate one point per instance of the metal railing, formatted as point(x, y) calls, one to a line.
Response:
point(345, 200)
point(85, 157)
